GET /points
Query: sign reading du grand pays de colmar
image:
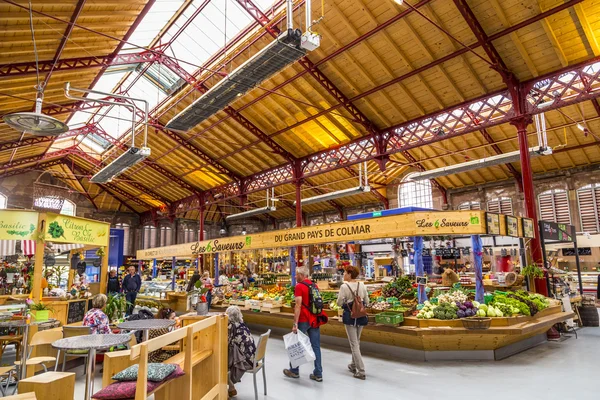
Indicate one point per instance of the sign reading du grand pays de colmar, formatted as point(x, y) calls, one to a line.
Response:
point(66, 229)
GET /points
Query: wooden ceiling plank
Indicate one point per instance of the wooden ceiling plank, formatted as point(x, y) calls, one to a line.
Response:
point(426, 50)
point(463, 58)
point(553, 39)
point(587, 29)
point(328, 117)
point(400, 54)
point(515, 38)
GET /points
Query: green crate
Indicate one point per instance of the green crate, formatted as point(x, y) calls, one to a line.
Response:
point(389, 318)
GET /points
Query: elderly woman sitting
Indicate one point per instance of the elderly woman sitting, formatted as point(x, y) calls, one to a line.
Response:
point(241, 348)
point(95, 318)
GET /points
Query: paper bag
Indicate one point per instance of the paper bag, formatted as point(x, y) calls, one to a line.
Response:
point(298, 348)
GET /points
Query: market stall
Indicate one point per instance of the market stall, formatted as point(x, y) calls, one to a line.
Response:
point(416, 325)
point(45, 233)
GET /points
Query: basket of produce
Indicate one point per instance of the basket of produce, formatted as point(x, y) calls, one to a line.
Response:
point(389, 318)
point(476, 323)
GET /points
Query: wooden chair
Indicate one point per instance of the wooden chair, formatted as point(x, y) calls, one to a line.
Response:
point(39, 339)
point(8, 373)
point(259, 361)
point(5, 340)
point(72, 331)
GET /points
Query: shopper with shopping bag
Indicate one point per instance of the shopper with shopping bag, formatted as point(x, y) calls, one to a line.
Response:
point(308, 317)
point(298, 348)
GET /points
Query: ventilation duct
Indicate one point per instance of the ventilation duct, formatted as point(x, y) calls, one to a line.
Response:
point(284, 51)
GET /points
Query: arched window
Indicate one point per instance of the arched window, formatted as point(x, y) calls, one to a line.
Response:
point(166, 236)
point(554, 206)
point(469, 205)
point(149, 238)
point(126, 240)
point(415, 193)
point(68, 208)
point(588, 200)
point(500, 205)
point(3, 201)
point(190, 235)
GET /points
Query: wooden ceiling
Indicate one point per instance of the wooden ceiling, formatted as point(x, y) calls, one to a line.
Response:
point(296, 114)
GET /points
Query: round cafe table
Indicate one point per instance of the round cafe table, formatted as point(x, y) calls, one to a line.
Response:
point(91, 343)
point(146, 325)
point(22, 324)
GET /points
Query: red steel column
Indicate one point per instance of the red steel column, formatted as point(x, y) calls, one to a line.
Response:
point(529, 194)
point(299, 217)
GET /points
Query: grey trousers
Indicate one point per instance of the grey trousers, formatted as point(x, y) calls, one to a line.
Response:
point(353, 333)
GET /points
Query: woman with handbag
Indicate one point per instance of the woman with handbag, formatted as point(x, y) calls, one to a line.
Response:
point(353, 298)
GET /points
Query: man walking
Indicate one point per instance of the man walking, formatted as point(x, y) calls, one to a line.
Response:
point(131, 286)
point(114, 283)
point(307, 323)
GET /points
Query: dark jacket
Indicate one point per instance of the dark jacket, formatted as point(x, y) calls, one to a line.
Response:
point(114, 285)
point(132, 283)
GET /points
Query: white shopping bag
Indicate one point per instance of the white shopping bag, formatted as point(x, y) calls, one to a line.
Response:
point(298, 348)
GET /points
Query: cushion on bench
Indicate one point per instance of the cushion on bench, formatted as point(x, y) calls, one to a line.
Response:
point(126, 390)
point(156, 372)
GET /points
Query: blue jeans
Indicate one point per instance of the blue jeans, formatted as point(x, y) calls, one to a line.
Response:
point(130, 297)
point(314, 334)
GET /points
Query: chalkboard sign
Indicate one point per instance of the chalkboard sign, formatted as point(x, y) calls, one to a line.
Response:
point(583, 251)
point(76, 311)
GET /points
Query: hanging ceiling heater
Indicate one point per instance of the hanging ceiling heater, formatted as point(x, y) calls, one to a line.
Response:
point(275, 57)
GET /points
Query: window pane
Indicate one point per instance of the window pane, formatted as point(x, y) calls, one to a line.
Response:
point(68, 208)
point(415, 193)
point(3, 201)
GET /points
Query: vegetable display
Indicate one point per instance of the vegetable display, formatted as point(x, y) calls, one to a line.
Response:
point(401, 286)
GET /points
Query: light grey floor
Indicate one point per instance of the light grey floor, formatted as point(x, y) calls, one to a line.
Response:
point(564, 370)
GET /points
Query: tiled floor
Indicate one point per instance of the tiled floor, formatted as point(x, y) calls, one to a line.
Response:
point(550, 371)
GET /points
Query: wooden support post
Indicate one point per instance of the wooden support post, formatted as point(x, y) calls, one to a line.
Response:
point(104, 270)
point(38, 260)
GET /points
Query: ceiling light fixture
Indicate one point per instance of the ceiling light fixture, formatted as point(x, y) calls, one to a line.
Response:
point(363, 187)
point(513, 156)
point(270, 207)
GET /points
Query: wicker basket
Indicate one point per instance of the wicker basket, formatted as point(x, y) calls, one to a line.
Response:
point(476, 323)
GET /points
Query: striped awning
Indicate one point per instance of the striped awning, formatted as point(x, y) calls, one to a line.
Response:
point(28, 247)
point(8, 247)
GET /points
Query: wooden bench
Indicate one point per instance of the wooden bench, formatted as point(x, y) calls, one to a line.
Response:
point(50, 385)
point(203, 359)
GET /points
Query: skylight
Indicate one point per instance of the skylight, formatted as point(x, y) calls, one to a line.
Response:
point(218, 23)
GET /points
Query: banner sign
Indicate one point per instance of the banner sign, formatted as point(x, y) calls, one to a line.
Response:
point(410, 224)
point(557, 232)
point(18, 225)
point(67, 229)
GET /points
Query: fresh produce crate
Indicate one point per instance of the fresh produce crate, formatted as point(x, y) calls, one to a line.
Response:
point(270, 310)
point(253, 305)
point(389, 318)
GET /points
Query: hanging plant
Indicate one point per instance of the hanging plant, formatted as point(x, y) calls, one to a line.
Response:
point(533, 271)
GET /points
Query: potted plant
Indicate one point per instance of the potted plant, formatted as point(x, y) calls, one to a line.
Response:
point(40, 311)
point(116, 306)
point(202, 305)
point(534, 274)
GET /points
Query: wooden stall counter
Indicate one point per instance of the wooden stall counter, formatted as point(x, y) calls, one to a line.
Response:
point(505, 337)
point(178, 300)
point(12, 298)
point(67, 311)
